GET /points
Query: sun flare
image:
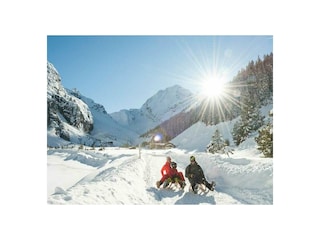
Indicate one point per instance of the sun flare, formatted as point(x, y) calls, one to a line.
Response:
point(212, 87)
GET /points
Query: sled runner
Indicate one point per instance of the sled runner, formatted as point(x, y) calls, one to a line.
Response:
point(201, 188)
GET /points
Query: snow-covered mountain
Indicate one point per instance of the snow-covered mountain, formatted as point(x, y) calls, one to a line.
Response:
point(77, 119)
point(74, 118)
point(105, 127)
point(67, 116)
point(158, 108)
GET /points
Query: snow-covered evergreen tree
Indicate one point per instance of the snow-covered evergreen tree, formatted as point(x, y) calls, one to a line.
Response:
point(255, 120)
point(265, 140)
point(217, 144)
point(240, 132)
point(251, 120)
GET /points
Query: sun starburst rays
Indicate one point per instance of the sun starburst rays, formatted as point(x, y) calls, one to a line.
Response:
point(210, 77)
point(215, 109)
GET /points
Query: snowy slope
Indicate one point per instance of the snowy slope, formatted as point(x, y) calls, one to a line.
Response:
point(199, 135)
point(118, 176)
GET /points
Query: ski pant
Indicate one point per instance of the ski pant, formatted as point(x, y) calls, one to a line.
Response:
point(164, 177)
point(178, 176)
point(198, 180)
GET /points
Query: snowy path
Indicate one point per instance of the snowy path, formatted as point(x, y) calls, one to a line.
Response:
point(154, 162)
point(123, 178)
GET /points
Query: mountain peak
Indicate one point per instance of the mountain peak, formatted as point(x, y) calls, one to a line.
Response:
point(171, 99)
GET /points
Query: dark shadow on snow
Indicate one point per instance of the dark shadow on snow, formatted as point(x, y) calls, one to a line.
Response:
point(161, 193)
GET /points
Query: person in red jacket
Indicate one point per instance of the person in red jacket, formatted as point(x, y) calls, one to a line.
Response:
point(175, 176)
point(165, 172)
point(170, 174)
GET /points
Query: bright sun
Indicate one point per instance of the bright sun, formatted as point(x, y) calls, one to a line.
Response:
point(212, 87)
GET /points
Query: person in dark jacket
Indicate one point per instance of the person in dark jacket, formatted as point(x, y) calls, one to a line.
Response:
point(195, 175)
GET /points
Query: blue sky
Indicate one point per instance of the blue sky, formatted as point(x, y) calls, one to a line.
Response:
point(122, 72)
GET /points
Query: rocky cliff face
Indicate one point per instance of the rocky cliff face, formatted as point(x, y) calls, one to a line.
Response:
point(64, 109)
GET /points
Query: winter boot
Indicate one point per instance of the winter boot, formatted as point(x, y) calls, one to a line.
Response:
point(195, 189)
point(182, 184)
point(158, 184)
point(166, 183)
point(212, 185)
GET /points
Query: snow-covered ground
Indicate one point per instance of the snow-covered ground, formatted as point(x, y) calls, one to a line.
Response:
point(119, 176)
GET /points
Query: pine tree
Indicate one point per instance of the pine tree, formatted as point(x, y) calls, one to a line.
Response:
point(255, 120)
point(217, 144)
point(240, 132)
point(251, 120)
point(265, 140)
point(236, 133)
